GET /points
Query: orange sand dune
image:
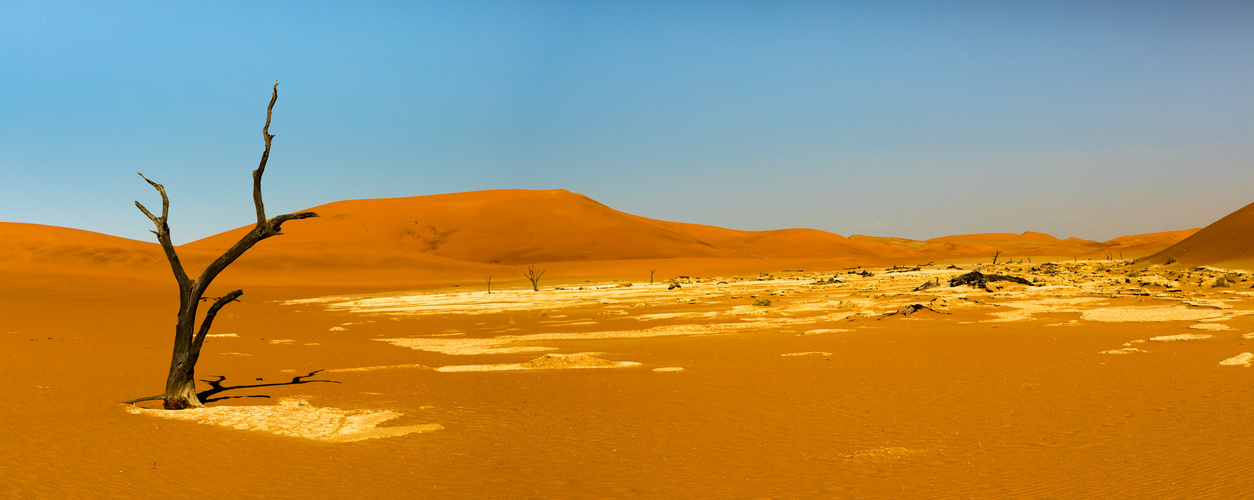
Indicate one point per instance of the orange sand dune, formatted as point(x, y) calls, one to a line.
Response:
point(1028, 244)
point(1027, 238)
point(1228, 242)
point(518, 226)
point(34, 248)
point(459, 238)
point(1150, 243)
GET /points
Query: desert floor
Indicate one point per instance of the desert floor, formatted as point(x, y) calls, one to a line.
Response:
point(1106, 379)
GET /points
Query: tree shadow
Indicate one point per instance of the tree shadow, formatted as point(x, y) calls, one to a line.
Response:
point(216, 387)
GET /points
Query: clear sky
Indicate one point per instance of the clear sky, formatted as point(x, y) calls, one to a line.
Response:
point(1087, 119)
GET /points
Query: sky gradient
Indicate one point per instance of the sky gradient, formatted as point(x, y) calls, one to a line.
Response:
point(917, 120)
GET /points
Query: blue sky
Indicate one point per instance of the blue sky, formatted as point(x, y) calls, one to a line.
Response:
point(909, 119)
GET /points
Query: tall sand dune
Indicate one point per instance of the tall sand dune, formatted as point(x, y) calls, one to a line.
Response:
point(1228, 241)
point(518, 226)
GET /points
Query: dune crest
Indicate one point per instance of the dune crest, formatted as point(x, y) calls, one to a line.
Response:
point(424, 240)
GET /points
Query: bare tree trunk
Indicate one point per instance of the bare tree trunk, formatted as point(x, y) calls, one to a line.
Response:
point(180, 385)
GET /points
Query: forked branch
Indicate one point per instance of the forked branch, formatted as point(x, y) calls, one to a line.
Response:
point(163, 232)
point(265, 156)
point(206, 323)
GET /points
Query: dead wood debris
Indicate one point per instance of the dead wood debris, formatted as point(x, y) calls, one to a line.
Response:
point(977, 279)
point(910, 309)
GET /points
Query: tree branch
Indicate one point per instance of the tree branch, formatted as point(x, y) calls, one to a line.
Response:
point(264, 229)
point(209, 315)
point(163, 233)
point(265, 156)
point(147, 398)
point(274, 226)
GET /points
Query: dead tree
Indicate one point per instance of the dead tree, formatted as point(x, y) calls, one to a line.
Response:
point(180, 384)
point(533, 275)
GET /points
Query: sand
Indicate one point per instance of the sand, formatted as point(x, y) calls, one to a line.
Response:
point(385, 369)
point(813, 396)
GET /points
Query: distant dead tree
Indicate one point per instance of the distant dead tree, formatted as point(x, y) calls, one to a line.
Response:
point(651, 272)
point(995, 257)
point(533, 275)
point(180, 383)
point(489, 280)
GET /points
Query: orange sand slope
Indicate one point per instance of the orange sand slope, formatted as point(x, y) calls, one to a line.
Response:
point(472, 235)
point(1228, 242)
point(523, 227)
point(37, 249)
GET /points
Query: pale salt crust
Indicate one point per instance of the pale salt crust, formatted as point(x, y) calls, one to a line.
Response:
point(370, 368)
point(1229, 315)
point(688, 315)
point(1180, 337)
point(1027, 309)
point(582, 360)
point(669, 369)
point(807, 353)
point(819, 331)
point(1054, 295)
point(1210, 326)
point(525, 300)
point(222, 335)
point(590, 296)
point(1147, 314)
point(1126, 350)
point(1243, 359)
point(507, 344)
point(296, 418)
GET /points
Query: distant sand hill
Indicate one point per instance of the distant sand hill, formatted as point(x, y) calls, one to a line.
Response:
point(1228, 242)
point(469, 235)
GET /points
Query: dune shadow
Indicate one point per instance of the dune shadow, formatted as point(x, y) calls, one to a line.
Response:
point(216, 387)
